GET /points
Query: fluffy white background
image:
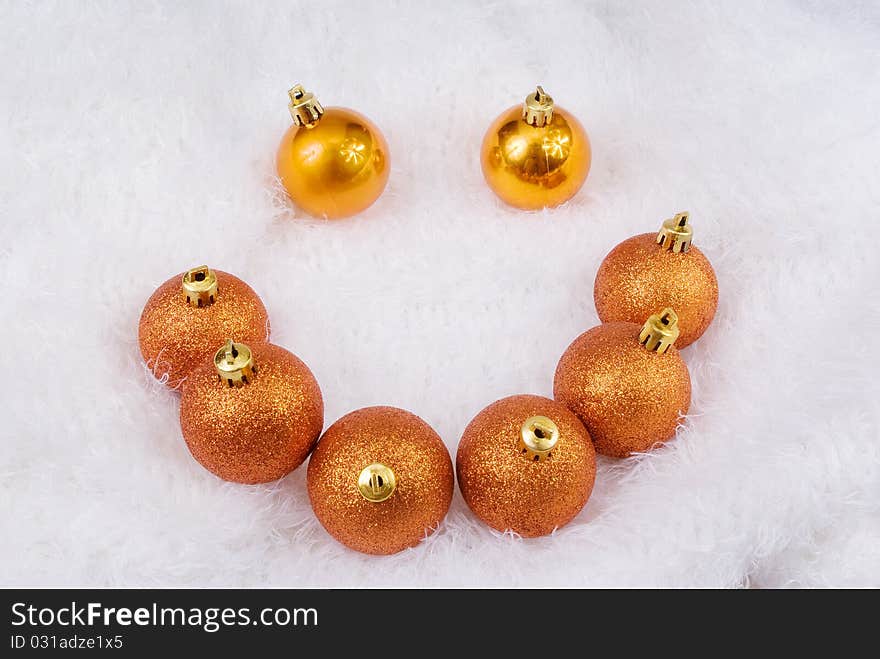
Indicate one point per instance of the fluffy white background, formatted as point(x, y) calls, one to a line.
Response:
point(138, 139)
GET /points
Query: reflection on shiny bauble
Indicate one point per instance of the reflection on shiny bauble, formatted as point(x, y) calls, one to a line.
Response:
point(335, 165)
point(535, 157)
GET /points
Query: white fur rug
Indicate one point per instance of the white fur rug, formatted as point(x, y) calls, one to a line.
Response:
point(138, 139)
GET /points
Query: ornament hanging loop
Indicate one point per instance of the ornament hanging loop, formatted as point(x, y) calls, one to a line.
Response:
point(538, 108)
point(200, 286)
point(660, 331)
point(234, 363)
point(305, 110)
point(538, 437)
point(676, 234)
point(376, 482)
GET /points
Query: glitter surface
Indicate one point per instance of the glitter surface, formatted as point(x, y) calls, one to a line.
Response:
point(259, 432)
point(628, 397)
point(176, 337)
point(421, 465)
point(639, 278)
point(506, 489)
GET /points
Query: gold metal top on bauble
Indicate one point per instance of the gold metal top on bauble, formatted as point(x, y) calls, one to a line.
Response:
point(660, 331)
point(538, 108)
point(676, 234)
point(538, 438)
point(305, 110)
point(376, 482)
point(234, 364)
point(200, 286)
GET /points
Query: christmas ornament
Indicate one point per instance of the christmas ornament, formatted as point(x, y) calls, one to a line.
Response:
point(333, 162)
point(188, 316)
point(652, 271)
point(526, 464)
point(535, 155)
point(253, 415)
point(627, 383)
point(380, 480)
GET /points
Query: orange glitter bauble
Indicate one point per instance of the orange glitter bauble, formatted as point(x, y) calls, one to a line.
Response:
point(627, 396)
point(535, 155)
point(511, 480)
point(380, 480)
point(638, 277)
point(177, 334)
point(333, 163)
point(259, 428)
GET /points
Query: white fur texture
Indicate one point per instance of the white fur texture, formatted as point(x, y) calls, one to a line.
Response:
point(138, 139)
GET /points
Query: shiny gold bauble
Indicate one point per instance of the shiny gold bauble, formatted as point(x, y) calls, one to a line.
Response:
point(628, 397)
point(640, 276)
point(380, 480)
point(177, 333)
point(535, 166)
point(252, 426)
point(335, 165)
point(513, 482)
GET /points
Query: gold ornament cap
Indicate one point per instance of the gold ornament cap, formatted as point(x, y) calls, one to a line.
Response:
point(660, 331)
point(538, 108)
point(376, 482)
point(676, 234)
point(305, 110)
point(234, 363)
point(538, 437)
point(200, 286)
